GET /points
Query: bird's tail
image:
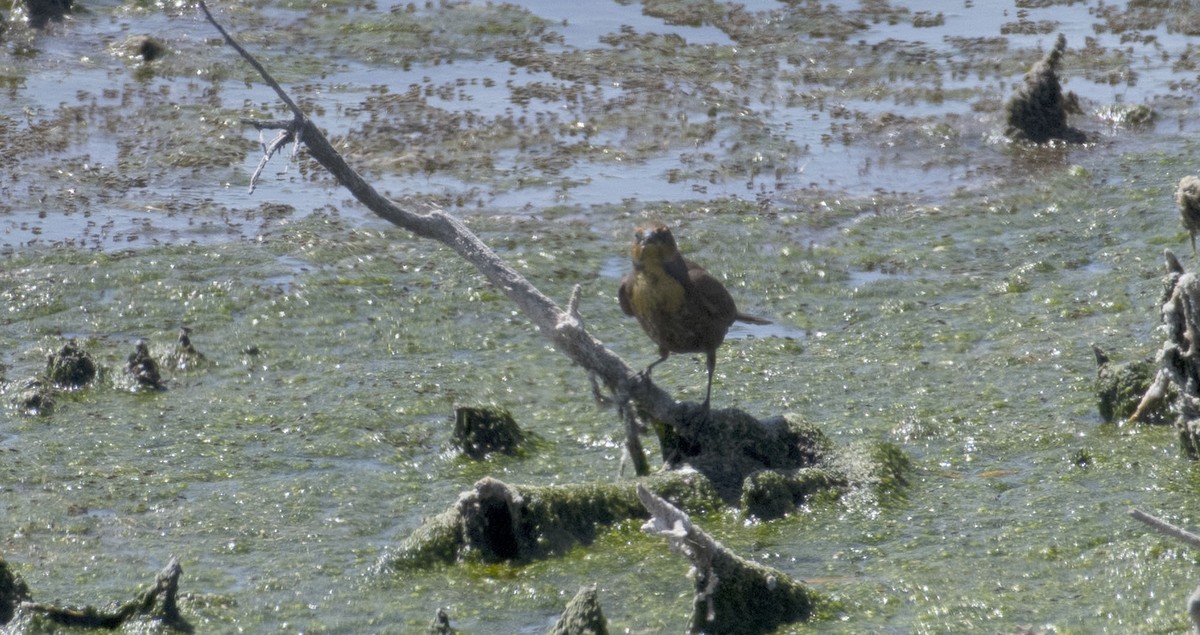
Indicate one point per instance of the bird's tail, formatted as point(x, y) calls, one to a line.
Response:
point(751, 319)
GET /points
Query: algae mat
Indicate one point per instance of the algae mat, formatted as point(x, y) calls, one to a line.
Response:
point(840, 166)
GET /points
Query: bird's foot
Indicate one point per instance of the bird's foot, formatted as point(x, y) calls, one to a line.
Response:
point(643, 375)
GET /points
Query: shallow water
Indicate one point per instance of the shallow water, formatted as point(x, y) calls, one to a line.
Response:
point(841, 168)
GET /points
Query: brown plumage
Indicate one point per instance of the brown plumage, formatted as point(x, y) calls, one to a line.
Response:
point(678, 304)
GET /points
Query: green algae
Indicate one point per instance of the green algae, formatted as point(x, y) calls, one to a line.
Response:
point(969, 344)
point(408, 35)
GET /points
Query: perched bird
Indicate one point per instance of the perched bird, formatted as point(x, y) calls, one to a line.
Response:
point(679, 305)
point(1187, 196)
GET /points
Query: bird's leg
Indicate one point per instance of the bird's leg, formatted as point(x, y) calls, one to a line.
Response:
point(712, 365)
point(697, 420)
point(665, 354)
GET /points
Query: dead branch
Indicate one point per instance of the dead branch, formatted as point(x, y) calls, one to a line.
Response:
point(732, 595)
point(1178, 378)
point(1166, 527)
point(284, 137)
point(158, 602)
point(563, 328)
point(1191, 539)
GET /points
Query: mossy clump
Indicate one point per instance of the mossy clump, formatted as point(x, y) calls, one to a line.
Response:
point(441, 624)
point(496, 521)
point(42, 12)
point(439, 540)
point(13, 591)
point(891, 467)
point(773, 494)
point(71, 367)
point(582, 616)
point(149, 48)
point(735, 445)
point(186, 357)
point(880, 468)
point(480, 431)
point(731, 594)
point(35, 397)
point(750, 598)
point(1037, 111)
point(1120, 386)
point(1127, 114)
point(143, 368)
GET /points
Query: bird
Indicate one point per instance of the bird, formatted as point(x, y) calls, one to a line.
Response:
point(682, 307)
point(1187, 197)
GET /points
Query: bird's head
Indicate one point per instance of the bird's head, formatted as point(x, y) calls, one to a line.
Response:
point(653, 244)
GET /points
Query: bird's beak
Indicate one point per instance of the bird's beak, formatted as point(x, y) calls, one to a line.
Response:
point(648, 236)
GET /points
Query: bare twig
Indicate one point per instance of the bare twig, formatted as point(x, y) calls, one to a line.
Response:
point(573, 303)
point(1166, 527)
point(159, 602)
point(1153, 396)
point(563, 328)
point(250, 59)
point(277, 144)
point(1193, 603)
point(633, 439)
point(731, 594)
point(683, 537)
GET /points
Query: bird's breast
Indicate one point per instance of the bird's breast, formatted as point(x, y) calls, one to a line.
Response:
point(655, 293)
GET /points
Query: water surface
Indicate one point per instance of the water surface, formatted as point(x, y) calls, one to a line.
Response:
point(842, 168)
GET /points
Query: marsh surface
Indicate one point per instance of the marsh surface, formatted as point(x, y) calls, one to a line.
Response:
point(839, 165)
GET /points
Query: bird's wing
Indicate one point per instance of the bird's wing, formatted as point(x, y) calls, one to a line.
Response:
point(680, 269)
point(712, 294)
point(623, 293)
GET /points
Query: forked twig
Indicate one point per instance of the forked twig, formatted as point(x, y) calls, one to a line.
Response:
point(564, 328)
point(250, 59)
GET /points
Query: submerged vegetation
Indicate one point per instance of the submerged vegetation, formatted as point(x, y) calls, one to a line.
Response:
point(937, 292)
